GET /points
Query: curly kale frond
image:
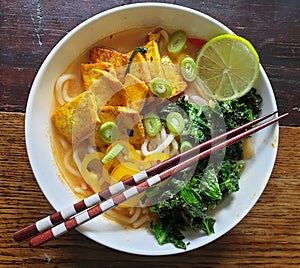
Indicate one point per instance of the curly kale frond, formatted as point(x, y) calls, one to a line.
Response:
point(184, 202)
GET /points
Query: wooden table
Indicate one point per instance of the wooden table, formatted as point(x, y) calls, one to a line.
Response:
point(268, 236)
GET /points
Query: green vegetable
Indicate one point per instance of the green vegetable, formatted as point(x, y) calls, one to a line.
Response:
point(188, 69)
point(112, 153)
point(109, 132)
point(177, 42)
point(205, 121)
point(209, 185)
point(168, 234)
point(142, 50)
point(160, 87)
point(175, 123)
point(186, 200)
point(188, 206)
point(152, 124)
point(186, 145)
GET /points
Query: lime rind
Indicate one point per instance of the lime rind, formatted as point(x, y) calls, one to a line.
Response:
point(228, 67)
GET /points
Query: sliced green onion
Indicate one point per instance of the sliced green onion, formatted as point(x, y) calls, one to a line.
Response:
point(175, 123)
point(188, 69)
point(160, 87)
point(112, 153)
point(152, 124)
point(109, 132)
point(186, 145)
point(176, 42)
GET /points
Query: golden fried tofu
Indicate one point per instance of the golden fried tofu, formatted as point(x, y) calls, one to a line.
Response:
point(129, 123)
point(109, 90)
point(99, 54)
point(117, 59)
point(155, 35)
point(172, 74)
point(93, 71)
point(137, 91)
point(76, 120)
point(139, 67)
point(154, 60)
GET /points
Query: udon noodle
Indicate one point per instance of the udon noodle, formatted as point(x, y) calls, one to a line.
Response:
point(61, 89)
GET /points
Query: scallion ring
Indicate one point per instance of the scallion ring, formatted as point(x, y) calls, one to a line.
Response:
point(175, 123)
point(109, 132)
point(160, 87)
point(177, 42)
point(186, 145)
point(152, 124)
point(112, 153)
point(188, 69)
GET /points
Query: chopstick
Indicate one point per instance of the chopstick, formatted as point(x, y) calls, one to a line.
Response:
point(94, 199)
point(140, 182)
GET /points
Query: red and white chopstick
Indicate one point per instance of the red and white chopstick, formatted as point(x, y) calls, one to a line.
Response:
point(94, 199)
point(161, 174)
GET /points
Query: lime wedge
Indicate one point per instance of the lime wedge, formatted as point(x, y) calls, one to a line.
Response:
point(228, 67)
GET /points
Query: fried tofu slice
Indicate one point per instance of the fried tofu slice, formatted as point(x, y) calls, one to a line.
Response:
point(129, 124)
point(172, 74)
point(93, 71)
point(76, 120)
point(109, 90)
point(153, 59)
point(99, 54)
point(117, 59)
point(155, 35)
point(139, 67)
point(137, 92)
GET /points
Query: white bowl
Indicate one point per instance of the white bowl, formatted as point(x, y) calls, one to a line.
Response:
point(230, 211)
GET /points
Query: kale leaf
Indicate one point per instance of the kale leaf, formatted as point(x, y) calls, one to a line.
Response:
point(185, 201)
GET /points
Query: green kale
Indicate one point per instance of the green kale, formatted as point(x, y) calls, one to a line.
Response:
point(188, 207)
point(184, 209)
point(203, 121)
point(198, 125)
point(240, 111)
point(208, 184)
point(168, 234)
point(185, 201)
point(229, 175)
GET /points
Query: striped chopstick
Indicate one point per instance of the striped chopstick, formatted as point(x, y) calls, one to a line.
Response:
point(46, 223)
point(139, 188)
point(67, 212)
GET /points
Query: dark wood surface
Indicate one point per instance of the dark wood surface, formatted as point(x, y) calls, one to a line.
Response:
point(269, 236)
point(30, 29)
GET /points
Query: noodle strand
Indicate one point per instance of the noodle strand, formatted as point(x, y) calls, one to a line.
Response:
point(68, 165)
point(61, 89)
point(159, 148)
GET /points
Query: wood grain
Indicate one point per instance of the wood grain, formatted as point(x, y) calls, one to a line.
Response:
point(269, 236)
point(30, 29)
